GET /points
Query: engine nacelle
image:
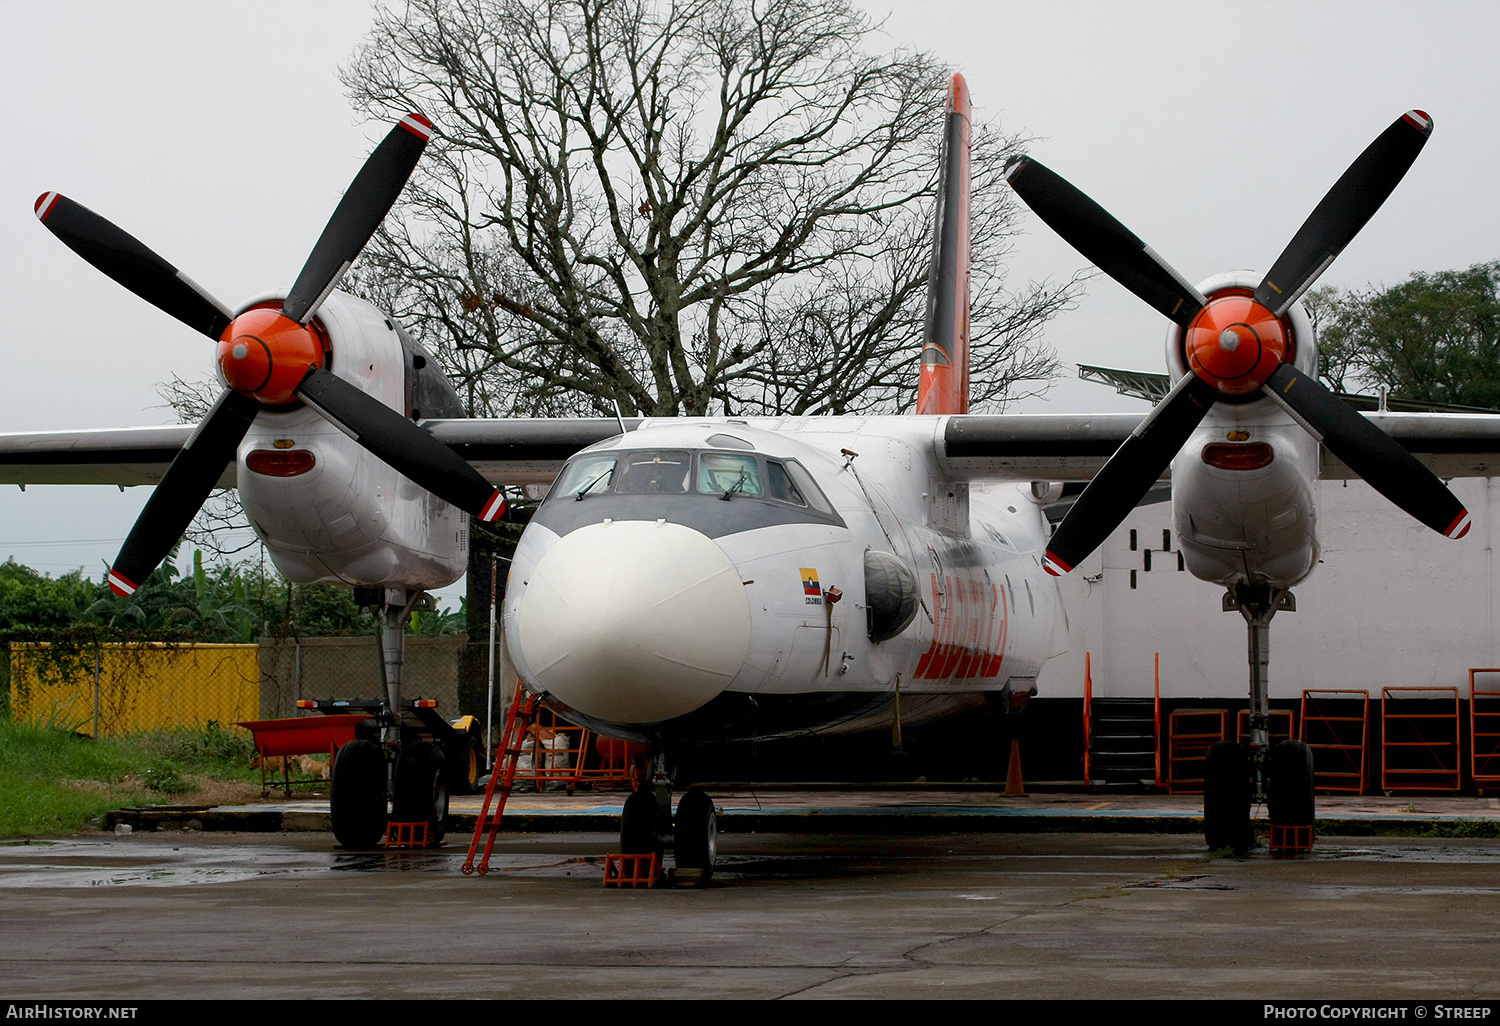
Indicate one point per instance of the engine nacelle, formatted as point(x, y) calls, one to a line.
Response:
point(328, 510)
point(1242, 486)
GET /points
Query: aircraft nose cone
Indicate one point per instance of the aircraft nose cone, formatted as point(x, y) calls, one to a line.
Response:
point(634, 621)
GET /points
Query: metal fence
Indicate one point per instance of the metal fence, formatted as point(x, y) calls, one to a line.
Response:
point(109, 689)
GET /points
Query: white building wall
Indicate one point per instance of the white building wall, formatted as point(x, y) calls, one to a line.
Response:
point(1390, 604)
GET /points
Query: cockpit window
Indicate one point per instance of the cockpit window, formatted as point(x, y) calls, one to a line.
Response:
point(724, 475)
point(591, 475)
point(809, 488)
point(720, 473)
point(782, 486)
point(654, 472)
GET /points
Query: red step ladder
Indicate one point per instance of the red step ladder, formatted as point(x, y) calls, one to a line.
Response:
point(523, 710)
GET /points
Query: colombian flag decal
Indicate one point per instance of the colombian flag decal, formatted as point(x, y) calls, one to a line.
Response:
point(810, 584)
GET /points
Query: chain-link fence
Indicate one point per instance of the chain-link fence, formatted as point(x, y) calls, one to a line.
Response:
point(114, 688)
point(322, 668)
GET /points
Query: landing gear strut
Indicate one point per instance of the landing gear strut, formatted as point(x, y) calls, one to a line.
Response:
point(409, 774)
point(1281, 777)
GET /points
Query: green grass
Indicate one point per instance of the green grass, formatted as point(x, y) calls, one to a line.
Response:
point(53, 781)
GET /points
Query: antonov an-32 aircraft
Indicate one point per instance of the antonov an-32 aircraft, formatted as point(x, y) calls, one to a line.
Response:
point(701, 578)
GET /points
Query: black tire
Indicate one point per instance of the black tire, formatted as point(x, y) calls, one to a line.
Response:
point(356, 800)
point(1226, 798)
point(466, 765)
point(696, 835)
point(638, 824)
point(1290, 798)
point(422, 788)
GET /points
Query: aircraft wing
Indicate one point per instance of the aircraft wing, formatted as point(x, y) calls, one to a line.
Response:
point(1072, 447)
point(117, 456)
point(512, 451)
point(519, 451)
point(1054, 447)
point(1450, 444)
point(1049, 447)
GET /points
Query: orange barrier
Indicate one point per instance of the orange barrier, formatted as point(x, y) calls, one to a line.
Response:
point(1156, 718)
point(1088, 706)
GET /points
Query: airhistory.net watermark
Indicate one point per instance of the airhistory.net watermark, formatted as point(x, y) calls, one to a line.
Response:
point(55, 1010)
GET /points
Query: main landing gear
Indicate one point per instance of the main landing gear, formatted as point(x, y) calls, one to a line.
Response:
point(398, 758)
point(1282, 776)
point(646, 823)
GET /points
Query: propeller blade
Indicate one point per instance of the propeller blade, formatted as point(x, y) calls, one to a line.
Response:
point(181, 492)
point(1368, 451)
point(358, 214)
point(131, 263)
point(402, 444)
point(1107, 243)
point(1131, 471)
point(1346, 208)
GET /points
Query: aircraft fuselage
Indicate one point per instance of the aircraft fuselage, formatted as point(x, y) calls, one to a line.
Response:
point(692, 573)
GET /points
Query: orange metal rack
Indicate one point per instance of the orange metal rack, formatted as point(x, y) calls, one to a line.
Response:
point(1190, 734)
point(1338, 741)
point(1419, 749)
point(1484, 730)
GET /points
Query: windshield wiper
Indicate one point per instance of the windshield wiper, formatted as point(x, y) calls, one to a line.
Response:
point(590, 486)
point(735, 487)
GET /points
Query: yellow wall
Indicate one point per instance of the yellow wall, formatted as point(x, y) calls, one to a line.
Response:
point(141, 687)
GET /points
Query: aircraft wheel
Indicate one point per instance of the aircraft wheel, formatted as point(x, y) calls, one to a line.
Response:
point(696, 843)
point(356, 799)
point(422, 788)
point(638, 824)
point(1226, 798)
point(1290, 798)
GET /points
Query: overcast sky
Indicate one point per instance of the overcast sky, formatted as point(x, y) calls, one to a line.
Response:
point(219, 134)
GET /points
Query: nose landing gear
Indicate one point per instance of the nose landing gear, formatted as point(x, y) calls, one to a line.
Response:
point(646, 823)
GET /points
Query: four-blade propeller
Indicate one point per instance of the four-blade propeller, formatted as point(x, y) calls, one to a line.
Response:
point(1236, 344)
point(270, 357)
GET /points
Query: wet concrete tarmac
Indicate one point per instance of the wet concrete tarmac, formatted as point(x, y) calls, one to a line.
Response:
point(176, 914)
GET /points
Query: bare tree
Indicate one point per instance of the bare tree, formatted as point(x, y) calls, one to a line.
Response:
point(683, 207)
